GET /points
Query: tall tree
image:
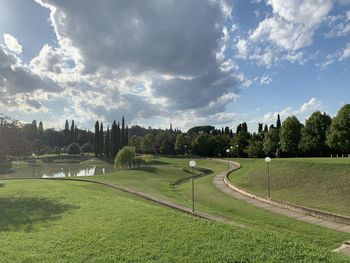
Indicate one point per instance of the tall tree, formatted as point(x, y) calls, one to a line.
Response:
point(41, 131)
point(244, 127)
point(313, 139)
point(260, 127)
point(72, 132)
point(290, 135)
point(118, 138)
point(107, 142)
point(114, 139)
point(266, 129)
point(127, 135)
point(97, 139)
point(101, 139)
point(271, 142)
point(66, 133)
point(123, 133)
point(239, 128)
point(339, 132)
point(148, 142)
point(278, 123)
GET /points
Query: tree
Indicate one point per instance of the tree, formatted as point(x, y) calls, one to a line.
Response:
point(123, 133)
point(101, 135)
point(107, 148)
point(266, 129)
point(313, 139)
point(255, 147)
point(218, 145)
point(271, 142)
point(37, 146)
point(97, 139)
point(244, 127)
point(72, 132)
point(239, 128)
point(339, 133)
point(41, 131)
point(125, 156)
point(260, 127)
point(73, 148)
point(201, 145)
point(148, 142)
point(66, 133)
point(136, 142)
point(182, 144)
point(126, 136)
point(86, 148)
point(278, 123)
point(290, 135)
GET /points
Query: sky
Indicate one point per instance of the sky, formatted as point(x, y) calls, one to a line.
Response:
point(185, 62)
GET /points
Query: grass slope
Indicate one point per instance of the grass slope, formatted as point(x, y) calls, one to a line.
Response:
point(156, 180)
point(60, 221)
point(322, 183)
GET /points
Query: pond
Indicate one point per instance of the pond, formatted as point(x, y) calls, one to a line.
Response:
point(57, 170)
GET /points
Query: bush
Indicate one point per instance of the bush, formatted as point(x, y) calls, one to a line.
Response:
point(74, 148)
point(125, 156)
point(87, 148)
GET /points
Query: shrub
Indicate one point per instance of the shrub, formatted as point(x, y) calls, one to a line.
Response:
point(74, 148)
point(87, 148)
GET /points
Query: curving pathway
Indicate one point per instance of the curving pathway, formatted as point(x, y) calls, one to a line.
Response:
point(219, 182)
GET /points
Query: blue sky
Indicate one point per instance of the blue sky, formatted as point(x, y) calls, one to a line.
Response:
point(187, 62)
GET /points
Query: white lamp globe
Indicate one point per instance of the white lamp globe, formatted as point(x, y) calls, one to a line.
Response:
point(267, 159)
point(192, 164)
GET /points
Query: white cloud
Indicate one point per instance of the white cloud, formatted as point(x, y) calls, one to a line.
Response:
point(12, 44)
point(345, 53)
point(293, 22)
point(242, 49)
point(311, 105)
point(265, 80)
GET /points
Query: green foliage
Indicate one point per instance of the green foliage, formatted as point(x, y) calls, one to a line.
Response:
point(313, 139)
point(255, 147)
point(201, 129)
point(136, 141)
point(148, 142)
point(86, 148)
point(290, 135)
point(147, 158)
point(125, 157)
point(182, 144)
point(38, 146)
point(73, 148)
point(240, 142)
point(339, 132)
point(201, 145)
point(271, 142)
point(97, 139)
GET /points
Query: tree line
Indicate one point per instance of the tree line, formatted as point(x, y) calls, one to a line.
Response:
point(110, 142)
point(319, 136)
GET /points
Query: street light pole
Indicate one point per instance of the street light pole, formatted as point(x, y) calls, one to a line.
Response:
point(192, 165)
point(268, 160)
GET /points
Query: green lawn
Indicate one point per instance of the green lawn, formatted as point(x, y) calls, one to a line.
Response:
point(156, 180)
point(322, 183)
point(64, 221)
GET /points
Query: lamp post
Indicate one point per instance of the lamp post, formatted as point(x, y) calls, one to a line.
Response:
point(228, 163)
point(185, 149)
point(268, 160)
point(237, 150)
point(192, 165)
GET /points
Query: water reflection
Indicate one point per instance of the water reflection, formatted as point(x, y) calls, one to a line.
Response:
point(59, 171)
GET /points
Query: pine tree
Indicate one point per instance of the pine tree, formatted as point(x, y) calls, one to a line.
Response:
point(278, 124)
point(260, 127)
point(101, 139)
point(239, 128)
point(66, 133)
point(113, 139)
point(244, 127)
point(266, 129)
point(97, 139)
point(107, 143)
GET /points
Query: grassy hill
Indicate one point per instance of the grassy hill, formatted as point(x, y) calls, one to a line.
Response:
point(64, 221)
point(322, 183)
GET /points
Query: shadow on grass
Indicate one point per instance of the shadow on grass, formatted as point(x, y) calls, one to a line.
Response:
point(23, 213)
point(157, 162)
point(148, 169)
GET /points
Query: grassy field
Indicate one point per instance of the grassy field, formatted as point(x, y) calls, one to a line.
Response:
point(156, 180)
point(321, 183)
point(62, 221)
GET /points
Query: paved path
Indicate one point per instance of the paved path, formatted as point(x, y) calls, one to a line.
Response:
point(220, 184)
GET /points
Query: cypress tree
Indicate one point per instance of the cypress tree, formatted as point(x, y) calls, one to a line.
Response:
point(278, 124)
point(123, 133)
point(239, 128)
point(66, 133)
point(118, 139)
point(107, 143)
point(72, 139)
point(114, 139)
point(41, 131)
point(266, 129)
point(260, 127)
point(97, 139)
point(126, 136)
point(244, 127)
point(101, 139)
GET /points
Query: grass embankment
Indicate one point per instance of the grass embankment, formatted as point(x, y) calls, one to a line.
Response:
point(321, 183)
point(156, 180)
point(63, 221)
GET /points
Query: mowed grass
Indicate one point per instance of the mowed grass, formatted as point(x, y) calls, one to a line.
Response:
point(321, 183)
point(64, 221)
point(156, 180)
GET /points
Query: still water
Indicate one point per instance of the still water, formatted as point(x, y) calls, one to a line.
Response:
point(49, 170)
